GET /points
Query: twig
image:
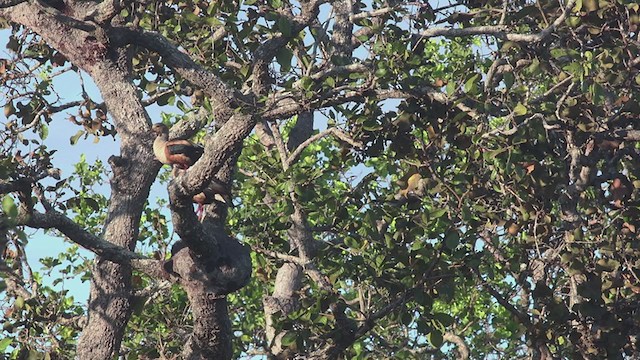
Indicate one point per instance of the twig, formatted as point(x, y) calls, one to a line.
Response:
point(370, 14)
point(282, 150)
point(331, 131)
point(280, 256)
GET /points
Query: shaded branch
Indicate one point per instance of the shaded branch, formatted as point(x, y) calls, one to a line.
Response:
point(223, 99)
point(370, 14)
point(268, 50)
point(335, 70)
point(500, 31)
point(293, 157)
point(284, 105)
point(24, 183)
point(14, 283)
point(522, 317)
point(9, 3)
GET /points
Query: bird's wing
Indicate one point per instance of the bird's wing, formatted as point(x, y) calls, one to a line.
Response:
point(186, 148)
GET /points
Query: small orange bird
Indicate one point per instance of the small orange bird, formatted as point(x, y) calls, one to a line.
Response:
point(181, 153)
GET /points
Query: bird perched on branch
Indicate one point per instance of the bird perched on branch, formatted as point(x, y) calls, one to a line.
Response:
point(214, 192)
point(181, 153)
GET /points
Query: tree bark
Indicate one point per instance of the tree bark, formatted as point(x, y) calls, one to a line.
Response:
point(134, 170)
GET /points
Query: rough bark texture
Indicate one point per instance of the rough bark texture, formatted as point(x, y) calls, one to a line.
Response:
point(87, 46)
point(222, 264)
point(211, 337)
point(284, 299)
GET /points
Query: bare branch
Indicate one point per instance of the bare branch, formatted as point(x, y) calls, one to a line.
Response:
point(335, 70)
point(14, 283)
point(78, 234)
point(284, 106)
point(370, 14)
point(282, 150)
point(462, 347)
point(629, 135)
point(332, 131)
point(220, 33)
point(500, 31)
point(280, 256)
point(308, 267)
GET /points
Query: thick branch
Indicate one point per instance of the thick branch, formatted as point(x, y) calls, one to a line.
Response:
point(93, 243)
point(223, 99)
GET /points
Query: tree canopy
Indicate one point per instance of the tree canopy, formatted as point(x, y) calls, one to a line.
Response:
point(432, 180)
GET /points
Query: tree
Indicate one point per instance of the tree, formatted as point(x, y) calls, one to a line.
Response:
point(411, 179)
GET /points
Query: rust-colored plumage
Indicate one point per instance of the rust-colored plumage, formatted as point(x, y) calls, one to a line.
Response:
point(181, 153)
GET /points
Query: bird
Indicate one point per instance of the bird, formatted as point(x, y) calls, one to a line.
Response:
point(214, 192)
point(180, 153)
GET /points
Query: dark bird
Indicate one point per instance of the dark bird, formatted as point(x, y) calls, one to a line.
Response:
point(181, 153)
point(214, 192)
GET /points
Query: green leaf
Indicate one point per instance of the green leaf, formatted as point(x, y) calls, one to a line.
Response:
point(284, 56)
point(450, 88)
point(382, 72)
point(444, 319)
point(306, 82)
point(435, 338)
point(284, 26)
point(470, 86)
point(19, 303)
point(520, 110)
point(9, 207)
point(437, 213)
point(451, 240)
point(4, 344)
point(74, 139)
point(43, 131)
point(289, 339)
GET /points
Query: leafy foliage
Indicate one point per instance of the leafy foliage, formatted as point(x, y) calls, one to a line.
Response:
point(482, 193)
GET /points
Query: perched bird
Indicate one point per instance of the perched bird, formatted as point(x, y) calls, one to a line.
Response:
point(181, 153)
point(214, 192)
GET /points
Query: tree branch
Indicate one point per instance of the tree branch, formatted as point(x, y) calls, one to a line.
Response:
point(462, 347)
point(500, 31)
point(283, 105)
point(93, 243)
point(9, 3)
point(370, 14)
point(223, 99)
point(24, 183)
point(293, 157)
